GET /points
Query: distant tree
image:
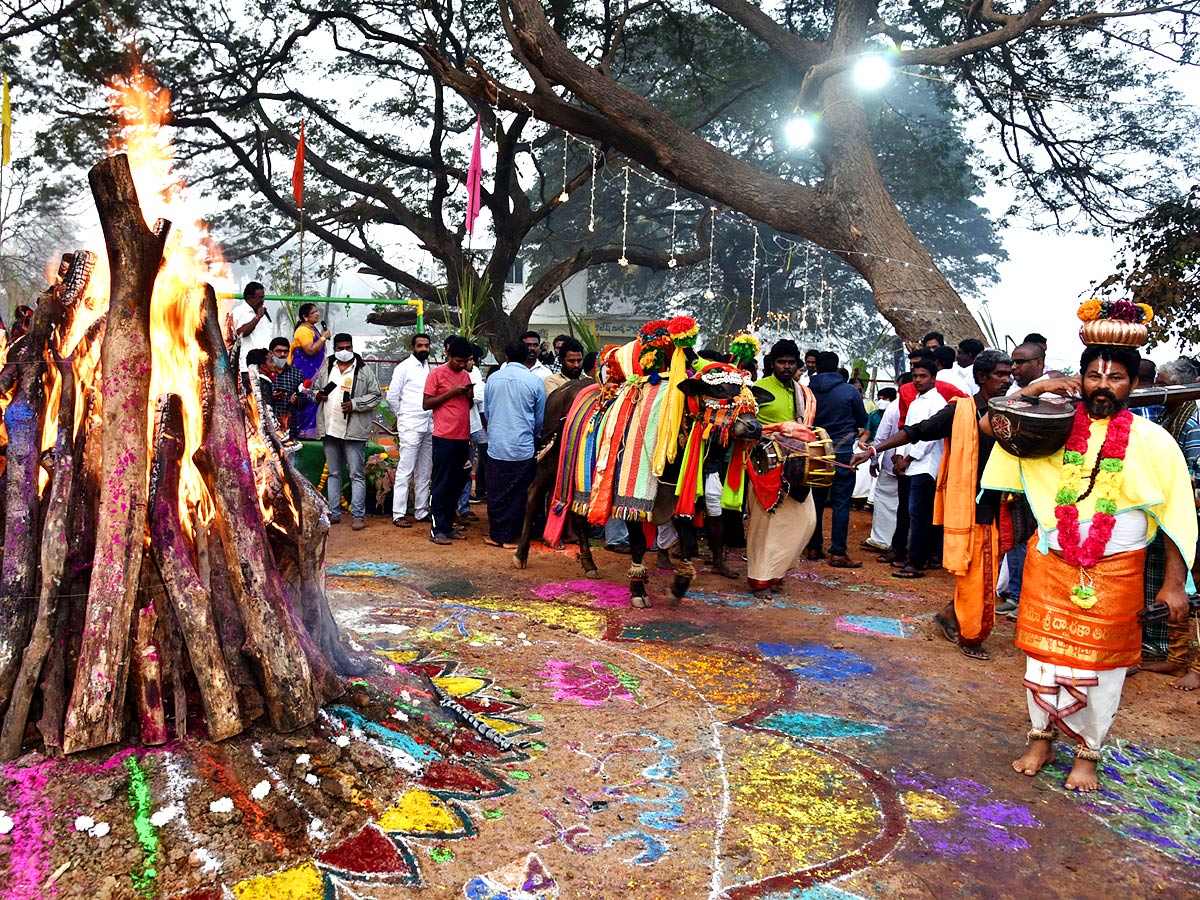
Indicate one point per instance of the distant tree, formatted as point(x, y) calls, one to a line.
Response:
point(36, 228)
point(1160, 266)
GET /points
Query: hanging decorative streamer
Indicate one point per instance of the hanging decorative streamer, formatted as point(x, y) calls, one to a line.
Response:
point(624, 220)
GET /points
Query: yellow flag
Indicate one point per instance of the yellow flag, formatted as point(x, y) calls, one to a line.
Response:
point(5, 127)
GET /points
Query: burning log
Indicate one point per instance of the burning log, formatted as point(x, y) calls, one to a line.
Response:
point(189, 597)
point(94, 713)
point(23, 421)
point(272, 641)
point(53, 567)
point(81, 547)
point(68, 452)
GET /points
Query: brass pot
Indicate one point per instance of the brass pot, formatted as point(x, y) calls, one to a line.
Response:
point(1113, 331)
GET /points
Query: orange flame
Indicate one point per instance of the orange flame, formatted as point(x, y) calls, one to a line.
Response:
point(191, 258)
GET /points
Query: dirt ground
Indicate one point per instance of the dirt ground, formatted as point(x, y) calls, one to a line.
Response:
point(528, 734)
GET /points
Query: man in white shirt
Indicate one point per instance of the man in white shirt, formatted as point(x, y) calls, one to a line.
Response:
point(1028, 366)
point(920, 461)
point(533, 343)
point(886, 497)
point(964, 364)
point(414, 430)
point(248, 320)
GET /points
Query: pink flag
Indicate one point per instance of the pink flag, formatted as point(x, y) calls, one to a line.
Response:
point(474, 176)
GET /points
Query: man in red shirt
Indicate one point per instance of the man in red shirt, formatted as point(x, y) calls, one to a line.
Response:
point(449, 393)
point(908, 392)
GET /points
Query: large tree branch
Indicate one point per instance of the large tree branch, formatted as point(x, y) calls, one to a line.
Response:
point(1013, 28)
point(800, 54)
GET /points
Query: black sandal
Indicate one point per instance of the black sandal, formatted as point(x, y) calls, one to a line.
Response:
point(973, 652)
point(908, 572)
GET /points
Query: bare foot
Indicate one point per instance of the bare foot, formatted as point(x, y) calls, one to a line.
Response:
point(1189, 682)
point(1164, 667)
point(1037, 754)
point(1083, 776)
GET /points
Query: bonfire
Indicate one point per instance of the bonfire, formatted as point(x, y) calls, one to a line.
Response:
point(159, 544)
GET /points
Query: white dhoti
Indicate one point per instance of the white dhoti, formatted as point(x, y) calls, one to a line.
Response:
point(862, 478)
point(774, 540)
point(1078, 702)
point(883, 516)
point(414, 468)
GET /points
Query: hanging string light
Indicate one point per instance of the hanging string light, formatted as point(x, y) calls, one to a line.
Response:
point(753, 276)
point(563, 197)
point(592, 202)
point(624, 220)
point(673, 262)
point(712, 242)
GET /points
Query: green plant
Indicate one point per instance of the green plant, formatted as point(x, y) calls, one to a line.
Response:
point(585, 331)
point(466, 304)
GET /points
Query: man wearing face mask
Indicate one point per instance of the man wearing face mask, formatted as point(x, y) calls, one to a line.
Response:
point(414, 433)
point(286, 397)
point(347, 405)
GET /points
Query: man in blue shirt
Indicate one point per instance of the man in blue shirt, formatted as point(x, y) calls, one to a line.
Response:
point(514, 406)
point(840, 411)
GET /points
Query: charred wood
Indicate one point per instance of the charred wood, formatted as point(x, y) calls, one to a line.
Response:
point(272, 641)
point(189, 597)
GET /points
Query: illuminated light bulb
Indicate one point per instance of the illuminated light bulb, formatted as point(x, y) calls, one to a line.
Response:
point(801, 130)
point(622, 261)
point(564, 197)
point(872, 72)
point(672, 263)
point(708, 295)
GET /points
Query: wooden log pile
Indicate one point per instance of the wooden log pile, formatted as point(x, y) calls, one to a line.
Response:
point(117, 611)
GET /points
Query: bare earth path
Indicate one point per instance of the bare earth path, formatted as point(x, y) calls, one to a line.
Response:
point(829, 744)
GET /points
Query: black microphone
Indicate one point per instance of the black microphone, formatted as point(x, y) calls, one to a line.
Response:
point(324, 325)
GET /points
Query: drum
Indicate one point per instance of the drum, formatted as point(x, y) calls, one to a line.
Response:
point(805, 463)
point(1031, 427)
point(1036, 427)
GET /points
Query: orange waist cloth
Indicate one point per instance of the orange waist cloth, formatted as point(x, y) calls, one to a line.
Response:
point(1052, 629)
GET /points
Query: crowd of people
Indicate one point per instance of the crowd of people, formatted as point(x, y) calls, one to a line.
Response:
point(1076, 546)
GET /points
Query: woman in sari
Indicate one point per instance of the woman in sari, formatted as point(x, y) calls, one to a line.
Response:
point(307, 355)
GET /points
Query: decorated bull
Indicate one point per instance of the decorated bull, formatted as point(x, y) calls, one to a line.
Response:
point(633, 448)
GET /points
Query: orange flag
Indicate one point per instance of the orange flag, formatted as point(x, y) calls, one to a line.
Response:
point(298, 170)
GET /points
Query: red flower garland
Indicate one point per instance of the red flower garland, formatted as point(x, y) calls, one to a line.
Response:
point(1116, 442)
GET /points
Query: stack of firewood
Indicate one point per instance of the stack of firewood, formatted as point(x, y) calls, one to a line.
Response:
point(115, 608)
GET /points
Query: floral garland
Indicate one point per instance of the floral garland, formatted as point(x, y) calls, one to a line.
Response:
point(1108, 479)
point(1118, 310)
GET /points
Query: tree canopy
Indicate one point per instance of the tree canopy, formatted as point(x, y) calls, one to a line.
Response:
point(1088, 128)
point(1160, 266)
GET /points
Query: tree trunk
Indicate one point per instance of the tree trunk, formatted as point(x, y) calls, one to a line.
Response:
point(858, 223)
point(271, 639)
point(94, 713)
point(188, 596)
